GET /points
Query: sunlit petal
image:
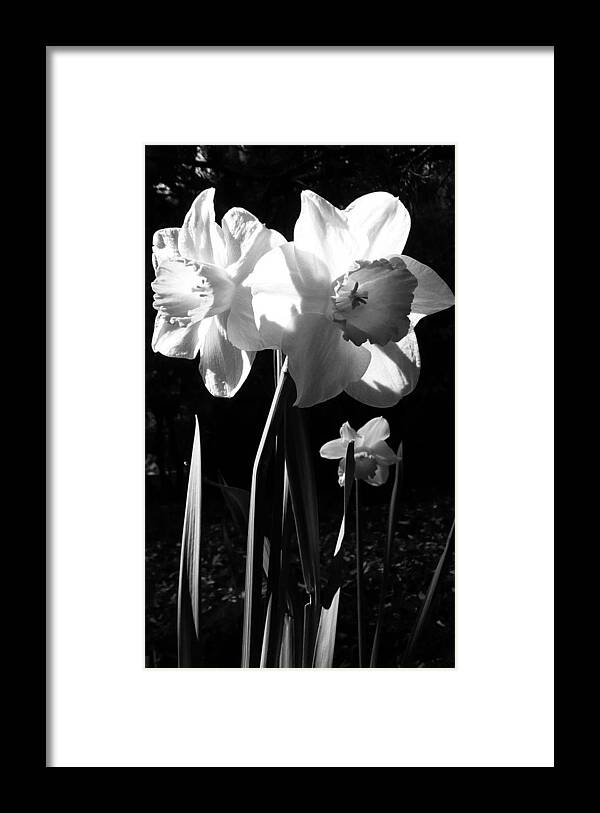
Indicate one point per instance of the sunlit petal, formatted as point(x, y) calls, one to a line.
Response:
point(223, 367)
point(260, 243)
point(175, 341)
point(374, 431)
point(334, 449)
point(347, 433)
point(241, 327)
point(392, 374)
point(431, 294)
point(239, 231)
point(322, 232)
point(164, 246)
point(321, 363)
point(380, 224)
point(383, 453)
point(200, 238)
point(281, 289)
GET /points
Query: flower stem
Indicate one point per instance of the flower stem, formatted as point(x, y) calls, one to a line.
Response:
point(360, 598)
point(252, 629)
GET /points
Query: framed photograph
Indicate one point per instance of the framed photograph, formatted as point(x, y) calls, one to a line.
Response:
point(289, 439)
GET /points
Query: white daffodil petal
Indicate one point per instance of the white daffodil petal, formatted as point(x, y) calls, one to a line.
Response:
point(380, 224)
point(281, 290)
point(392, 374)
point(175, 341)
point(431, 294)
point(164, 246)
point(320, 361)
point(239, 230)
point(223, 367)
point(200, 238)
point(383, 453)
point(347, 433)
point(262, 241)
point(333, 449)
point(322, 232)
point(241, 327)
point(374, 431)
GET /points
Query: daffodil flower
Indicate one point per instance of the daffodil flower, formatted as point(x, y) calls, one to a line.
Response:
point(199, 295)
point(372, 455)
point(342, 301)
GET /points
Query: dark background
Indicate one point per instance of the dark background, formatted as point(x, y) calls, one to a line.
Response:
point(267, 180)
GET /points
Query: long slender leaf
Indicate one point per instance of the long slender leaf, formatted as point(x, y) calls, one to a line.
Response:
point(188, 596)
point(385, 578)
point(335, 569)
point(286, 657)
point(277, 498)
point(257, 524)
point(237, 501)
point(326, 631)
point(266, 632)
point(423, 618)
point(303, 492)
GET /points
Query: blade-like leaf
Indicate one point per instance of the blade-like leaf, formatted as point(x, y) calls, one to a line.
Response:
point(423, 618)
point(385, 578)
point(325, 643)
point(335, 570)
point(303, 493)
point(266, 633)
point(237, 501)
point(188, 598)
point(286, 657)
point(325, 637)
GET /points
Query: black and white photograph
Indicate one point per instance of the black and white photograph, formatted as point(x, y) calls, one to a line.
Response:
point(300, 381)
point(299, 406)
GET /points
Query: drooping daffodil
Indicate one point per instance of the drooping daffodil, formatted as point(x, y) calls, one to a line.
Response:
point(372, 455)
point(199, 295)
point(342, 301)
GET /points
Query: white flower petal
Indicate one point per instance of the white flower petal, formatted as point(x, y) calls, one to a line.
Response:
point(281, 289)
point(392, 374)
point(239, 230)
point(380, 224)
point(200, 238)
point(175, 341)
point(164, 246)
point(241, 327)
point(322, 232)
point(431, 294)
point(383, 453)
point(223, 367)
point(333, 449)
point(374, 431)
point(320, 361)
point(347, 433)
point(262, 241)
